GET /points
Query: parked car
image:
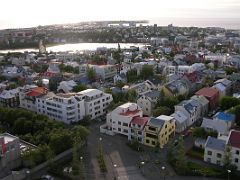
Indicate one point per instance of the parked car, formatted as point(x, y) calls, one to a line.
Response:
point(47, 177)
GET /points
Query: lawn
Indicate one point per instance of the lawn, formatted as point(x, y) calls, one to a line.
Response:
point(196, 152)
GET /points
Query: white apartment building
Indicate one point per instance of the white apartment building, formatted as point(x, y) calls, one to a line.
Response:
point(28, 95)
point(95, 102)
point(102, 71)
point(120, 118)
point(67, 108)
point(179, 70)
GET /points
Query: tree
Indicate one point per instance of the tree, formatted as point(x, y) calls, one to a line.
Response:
point(120, 84)
point(162, 110)
point(147, 71)
point(91, 74)
point(199, 132)
point(131, 95)
point(60, 140)
point(228, 102)
point(227, 158)
point(181, 164)
point(132, 76)
point(236, 111)
point(230, 70)
point(79, 87)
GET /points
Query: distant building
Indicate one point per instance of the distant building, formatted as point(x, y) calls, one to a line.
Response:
point(211, 94)
point(66, 86)
point(9, 98)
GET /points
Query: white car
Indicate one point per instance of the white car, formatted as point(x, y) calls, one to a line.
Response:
point(47, 177)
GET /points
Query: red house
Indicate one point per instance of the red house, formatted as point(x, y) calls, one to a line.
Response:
point(212, 96)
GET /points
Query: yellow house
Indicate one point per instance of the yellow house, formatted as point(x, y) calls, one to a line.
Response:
point(158, 131)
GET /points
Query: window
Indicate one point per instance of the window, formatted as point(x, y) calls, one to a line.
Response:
point(236, 160)
point(125, 124)
point(125, 131)
point(152, 129)
point(237, 152)
point(219, 155)
point(151, 136)
point(153, 143)
point(147, 141)
point(209, 153)
point(119, 129)
point(119, 122)
point(218, 162)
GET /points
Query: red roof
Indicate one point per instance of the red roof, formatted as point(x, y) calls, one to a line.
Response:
point(37, 91)
point(207, 92)
point(130, 113)
point(234, 139)
point(142, 121)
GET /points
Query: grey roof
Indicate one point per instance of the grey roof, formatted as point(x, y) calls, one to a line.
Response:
point(216, 144)
point(156, 122)
point(218, 126)
point(152, 94)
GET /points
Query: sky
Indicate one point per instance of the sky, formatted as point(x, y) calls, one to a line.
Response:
point(28, 13)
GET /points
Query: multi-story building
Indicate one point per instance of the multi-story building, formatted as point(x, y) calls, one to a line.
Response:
point(217, 149)
point(191, 109)
point(28, 95)
point(158, 131)
point(71, 107)
point(137, 126)
point(119, 119)
point(9, 152)
point(9, 98)
point(179, 70)
point(148, 101)
point(66, 108)
point(214, 150)
point(95, 102)
point(211, 94)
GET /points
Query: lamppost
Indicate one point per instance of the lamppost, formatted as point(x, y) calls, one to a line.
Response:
point(115, 171)
point(229, 171)
point(142, 166)
point(163, 169)
point(28, 174)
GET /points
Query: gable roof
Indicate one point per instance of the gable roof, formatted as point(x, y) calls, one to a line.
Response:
point(220, 127)
point(158, 123)
point(224, 116)
point(216, 144)
point(142, 121)
point(234, 139)
point(207, 92)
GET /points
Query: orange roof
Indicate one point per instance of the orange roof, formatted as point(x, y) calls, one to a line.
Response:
point(37, 91)
point(130, 113)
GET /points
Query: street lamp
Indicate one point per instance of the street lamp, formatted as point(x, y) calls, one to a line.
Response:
point(81, 158)
point(229, 171)
point(115, 171)
point(163, 169)
point(28, 174)
point(142, 166)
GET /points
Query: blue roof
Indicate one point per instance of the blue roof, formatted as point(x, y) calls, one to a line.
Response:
point(225, 116)
point(216, 144)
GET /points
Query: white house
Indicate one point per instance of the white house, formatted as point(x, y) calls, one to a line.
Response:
point(148, 101)
point(191, 109)
point(214, 150)
point(66, 86)
point(120, 118)
point(181, 121)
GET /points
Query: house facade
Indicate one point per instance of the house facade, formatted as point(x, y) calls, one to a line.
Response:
point(158, 131)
